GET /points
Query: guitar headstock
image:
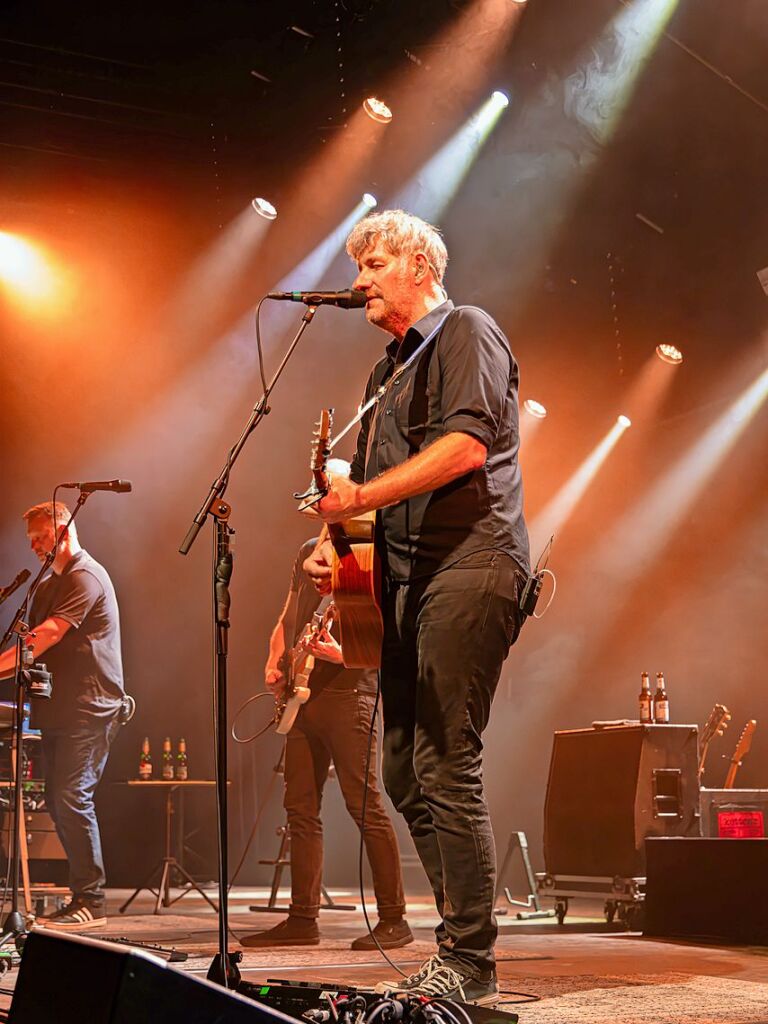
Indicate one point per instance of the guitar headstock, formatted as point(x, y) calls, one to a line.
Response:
point(745, 741)
point(716, 724)
point(321, 446)
point(321, 450)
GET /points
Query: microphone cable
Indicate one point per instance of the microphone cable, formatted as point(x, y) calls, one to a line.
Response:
point(361, 849)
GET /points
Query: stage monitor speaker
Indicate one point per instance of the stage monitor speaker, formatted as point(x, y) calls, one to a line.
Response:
point(707, 888)
point(72, 980)
point(611, 787)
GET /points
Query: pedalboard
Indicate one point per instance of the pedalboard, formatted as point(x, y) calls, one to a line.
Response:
point(329, 1003)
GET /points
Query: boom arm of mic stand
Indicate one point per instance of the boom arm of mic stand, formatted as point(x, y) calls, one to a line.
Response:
point(260, 410)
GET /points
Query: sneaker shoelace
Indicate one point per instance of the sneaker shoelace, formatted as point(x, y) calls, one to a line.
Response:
point(440, 981)
point(426, 970)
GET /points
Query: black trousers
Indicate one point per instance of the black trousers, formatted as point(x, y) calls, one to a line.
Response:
point(445, 639)
point(334, 726)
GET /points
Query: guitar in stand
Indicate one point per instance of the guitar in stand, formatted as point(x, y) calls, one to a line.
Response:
point(300, 662)
point(741, 751)
point(716, 724)
point(356, 572)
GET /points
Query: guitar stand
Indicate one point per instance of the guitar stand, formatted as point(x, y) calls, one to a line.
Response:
point(518, 841)
point(281, 862)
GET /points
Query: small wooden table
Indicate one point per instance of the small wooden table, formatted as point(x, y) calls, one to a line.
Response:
point(169, 863)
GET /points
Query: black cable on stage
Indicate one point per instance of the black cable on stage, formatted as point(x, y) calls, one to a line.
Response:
point(530, 997)
point(371, 731)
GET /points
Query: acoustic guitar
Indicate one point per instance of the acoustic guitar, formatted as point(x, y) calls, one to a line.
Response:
point(298, 665)
point(356, 569)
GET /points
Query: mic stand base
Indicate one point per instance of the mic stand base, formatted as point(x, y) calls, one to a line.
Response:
point(14, 927)
point(231, 977)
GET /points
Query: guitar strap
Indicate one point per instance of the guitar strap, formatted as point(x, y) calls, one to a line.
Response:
point(382, 389)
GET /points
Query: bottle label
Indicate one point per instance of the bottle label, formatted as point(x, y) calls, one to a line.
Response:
point(168, 772)
point(181, 772)
point(645, 710)
point(662, 710)
point(145, 771)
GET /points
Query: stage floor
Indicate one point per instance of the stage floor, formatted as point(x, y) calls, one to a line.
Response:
point(585, 970)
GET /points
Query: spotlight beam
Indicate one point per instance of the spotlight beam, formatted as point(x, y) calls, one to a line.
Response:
point(561, 507)
point(430, 191)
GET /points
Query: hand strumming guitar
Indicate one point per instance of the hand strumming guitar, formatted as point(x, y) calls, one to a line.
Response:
point(274, 679)
point(318, 566)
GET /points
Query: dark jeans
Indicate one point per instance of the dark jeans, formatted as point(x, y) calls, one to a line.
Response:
point(445, 639)
point(334, 727)
point(74, 762)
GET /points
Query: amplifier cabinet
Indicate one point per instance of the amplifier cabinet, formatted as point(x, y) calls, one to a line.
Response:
point(43, 842)
point(610, 788)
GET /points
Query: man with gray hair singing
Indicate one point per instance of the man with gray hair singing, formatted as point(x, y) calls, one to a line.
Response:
point(436, 458)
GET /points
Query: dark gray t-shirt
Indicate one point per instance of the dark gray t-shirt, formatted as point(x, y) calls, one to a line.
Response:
point(86, 663)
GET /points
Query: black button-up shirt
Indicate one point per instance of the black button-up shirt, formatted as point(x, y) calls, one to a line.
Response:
point(465, 380)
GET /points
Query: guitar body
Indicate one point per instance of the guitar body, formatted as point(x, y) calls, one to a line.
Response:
point(301, 662)
point(298, 693)
point(356, 584)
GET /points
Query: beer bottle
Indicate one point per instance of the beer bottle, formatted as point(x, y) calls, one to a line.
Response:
point(145, 761)
point(182, 767)
point(660, 701)
point(645, 700)
point(167, 759)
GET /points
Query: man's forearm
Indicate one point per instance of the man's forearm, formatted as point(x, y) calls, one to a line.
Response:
point(448, 458)
point(40, 640)
point(277, 643)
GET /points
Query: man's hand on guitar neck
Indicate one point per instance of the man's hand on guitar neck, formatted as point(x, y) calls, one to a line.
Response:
point(326, 647)
point(343, 500)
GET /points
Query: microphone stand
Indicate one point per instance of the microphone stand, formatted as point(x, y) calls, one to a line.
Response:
point(14, 926)
point(223, 969)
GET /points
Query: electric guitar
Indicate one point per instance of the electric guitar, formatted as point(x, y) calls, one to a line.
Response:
point(299, 663)
point(741, 751)
point(716, 724)
point(356, 570)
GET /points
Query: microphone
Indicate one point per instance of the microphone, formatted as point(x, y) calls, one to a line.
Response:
point(347, 299)
point(22, 577)
point(118, 486)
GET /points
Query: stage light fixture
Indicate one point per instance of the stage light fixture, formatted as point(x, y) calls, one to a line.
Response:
point(377, 110)
point(669, 354)
point(500, 99)
point(624, 421)
point(264, 208)
point(534, 408)
point(370, 200)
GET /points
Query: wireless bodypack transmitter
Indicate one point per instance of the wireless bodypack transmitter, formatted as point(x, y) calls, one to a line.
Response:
point(530, 595)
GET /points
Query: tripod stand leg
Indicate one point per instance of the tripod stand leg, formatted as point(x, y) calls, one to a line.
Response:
point(164, 887)
point(23, 851)
point(189, 882)
point(144, 885)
